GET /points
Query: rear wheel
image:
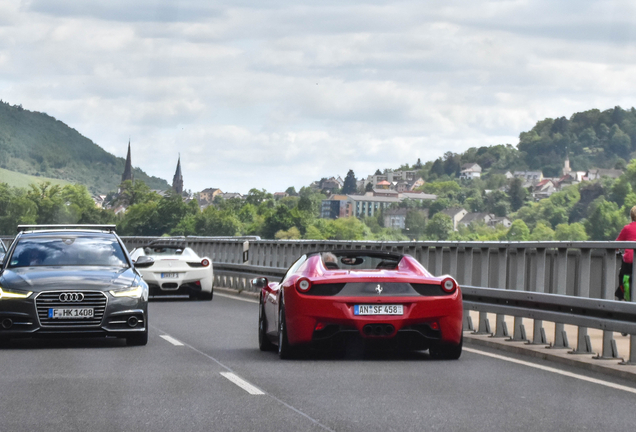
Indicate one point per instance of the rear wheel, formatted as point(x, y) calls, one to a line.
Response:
point(206, 295)
point(447, 352)
point(138, 339)
point(264, 344)
point(285, 351)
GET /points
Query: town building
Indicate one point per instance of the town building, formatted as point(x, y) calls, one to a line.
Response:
point(128, 169)
point(470, 171)
point(177, 180)
point(395, 218)
point(208, 195)
point(337, 206)
point(456, 214)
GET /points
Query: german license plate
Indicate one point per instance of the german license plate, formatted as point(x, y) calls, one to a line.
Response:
point(71, 313)
point(169, 275)
point(383, 309)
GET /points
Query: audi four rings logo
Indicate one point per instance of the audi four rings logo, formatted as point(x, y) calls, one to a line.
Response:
point(71, 297)
point(378, 289)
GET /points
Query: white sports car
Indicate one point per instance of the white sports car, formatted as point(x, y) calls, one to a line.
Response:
point(177, 270)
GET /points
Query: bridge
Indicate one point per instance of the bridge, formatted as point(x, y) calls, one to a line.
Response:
point(202, 370)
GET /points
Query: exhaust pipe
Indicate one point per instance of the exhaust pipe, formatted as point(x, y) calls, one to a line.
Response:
point(7, 323)
point(133, 321)
point(378, 329)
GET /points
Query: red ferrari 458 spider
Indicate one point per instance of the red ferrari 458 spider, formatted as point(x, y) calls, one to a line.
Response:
point(326, 296)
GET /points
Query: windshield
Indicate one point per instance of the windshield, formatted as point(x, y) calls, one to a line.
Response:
point(168, 250)
point(362, 261)
point(68, 251)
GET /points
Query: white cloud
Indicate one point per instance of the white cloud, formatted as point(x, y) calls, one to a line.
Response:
point(275, 93)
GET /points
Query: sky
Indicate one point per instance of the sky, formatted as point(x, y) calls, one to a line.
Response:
point(269, 94)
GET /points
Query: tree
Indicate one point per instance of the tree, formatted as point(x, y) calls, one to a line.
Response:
point(281, 219)
point(350, 184)
point(291, 191)
point(518, 231)
point(369, 187)
point(572, 232)
point(541, 232)
point(605, 220)
point(415, 223)
point(517, 194)
point(439, 227)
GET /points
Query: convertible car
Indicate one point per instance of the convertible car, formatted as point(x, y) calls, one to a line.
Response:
point(177, 270)
point(391, 298)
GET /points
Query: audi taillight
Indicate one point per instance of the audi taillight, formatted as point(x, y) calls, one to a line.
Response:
point(449, 285)
point(303, 285)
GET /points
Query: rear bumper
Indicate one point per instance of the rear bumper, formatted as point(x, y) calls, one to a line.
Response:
point(431, 318)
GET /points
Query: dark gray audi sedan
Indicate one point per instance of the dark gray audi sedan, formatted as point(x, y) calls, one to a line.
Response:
point(72, 280)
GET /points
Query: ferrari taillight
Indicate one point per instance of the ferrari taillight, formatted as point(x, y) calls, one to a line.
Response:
point(449, 285)
point(303, 285)
point(205, 262)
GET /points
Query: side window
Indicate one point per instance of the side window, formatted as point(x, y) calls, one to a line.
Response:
point(294, 267)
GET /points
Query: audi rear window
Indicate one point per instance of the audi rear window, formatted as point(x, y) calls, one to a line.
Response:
point(56, 251)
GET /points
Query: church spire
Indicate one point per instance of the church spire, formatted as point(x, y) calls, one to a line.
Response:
point(128, 173)
point(177, 180)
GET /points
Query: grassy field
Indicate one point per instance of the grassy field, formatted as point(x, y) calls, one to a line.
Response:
point(17, 179)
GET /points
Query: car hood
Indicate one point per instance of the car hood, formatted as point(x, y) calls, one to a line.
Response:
point(45, 278)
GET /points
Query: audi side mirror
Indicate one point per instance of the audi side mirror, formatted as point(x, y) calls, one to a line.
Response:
point(259, 283)
point(144, 261)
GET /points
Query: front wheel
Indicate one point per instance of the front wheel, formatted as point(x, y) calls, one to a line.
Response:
point(447, 352)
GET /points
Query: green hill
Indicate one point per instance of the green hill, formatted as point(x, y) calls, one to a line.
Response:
point(36, 144)
point(17, 179)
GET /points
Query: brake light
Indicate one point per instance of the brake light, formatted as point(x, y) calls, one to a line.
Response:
point(303, 285)
point(449, 285)
point(205, 262)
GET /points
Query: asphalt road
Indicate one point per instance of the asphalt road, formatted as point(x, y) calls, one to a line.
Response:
point(177, 383)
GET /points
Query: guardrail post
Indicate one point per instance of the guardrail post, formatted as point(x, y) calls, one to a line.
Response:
point(501, 329)
point(467, 279)
point(439, 257)
point(519, 332)
point(609, 344)
point(538, 333)
point(484, 324)
point(583, 343)
point(454, 252)
point(560, 337)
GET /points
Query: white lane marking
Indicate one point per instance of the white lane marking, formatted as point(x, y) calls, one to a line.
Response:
point(172, 340)
point(554, 370)
point(235, 298)
point(242, 383)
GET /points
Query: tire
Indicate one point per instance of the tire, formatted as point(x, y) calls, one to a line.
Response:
point(207, 296)
point(137, 339)
point(264, 344)
point(446, 352)
point(285, 351)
